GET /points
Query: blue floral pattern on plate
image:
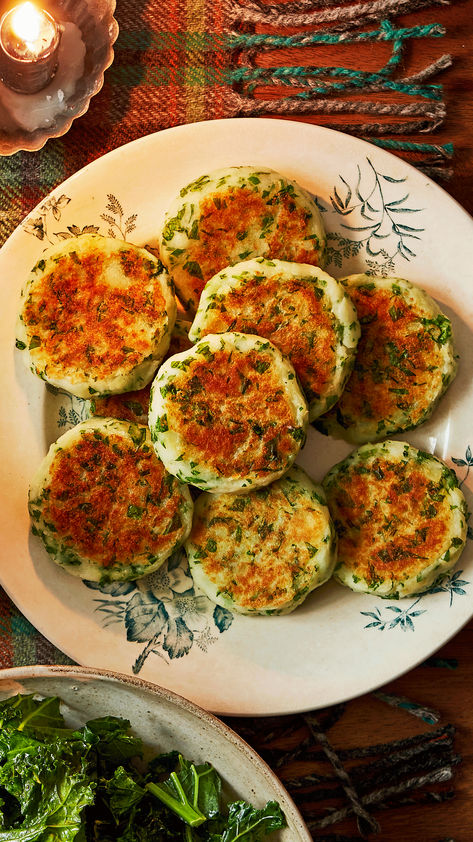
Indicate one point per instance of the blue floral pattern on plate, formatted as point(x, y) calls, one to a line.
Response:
point(163, 611)
point(403, 618)
point(374, 212)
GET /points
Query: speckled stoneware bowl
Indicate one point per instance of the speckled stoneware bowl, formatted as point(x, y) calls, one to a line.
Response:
point(164, 721)
point(99, 31)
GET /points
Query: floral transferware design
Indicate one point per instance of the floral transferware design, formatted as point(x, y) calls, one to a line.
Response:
point(40, 226)
point(51, 210)
point(404, 618)
point(467, 463)
point(454, 586)
point(163, 611)
point(371, 211)
point(72, 412)
point(120, 227)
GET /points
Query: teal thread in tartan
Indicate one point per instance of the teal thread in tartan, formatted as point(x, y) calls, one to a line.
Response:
point(355, 79)
point(385, 33)
point(131, 75)
point(165, 40)
point(134, 39)
point(445, 149)
point(23, 640)
point(21, 626)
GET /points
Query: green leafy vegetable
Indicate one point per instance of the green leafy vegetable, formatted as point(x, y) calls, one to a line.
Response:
point(247, 824)
point(58, 784)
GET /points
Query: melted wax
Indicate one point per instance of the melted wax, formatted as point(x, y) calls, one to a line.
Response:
point(39, 111)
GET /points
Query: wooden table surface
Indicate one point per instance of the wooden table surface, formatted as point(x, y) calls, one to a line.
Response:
point(449, 689)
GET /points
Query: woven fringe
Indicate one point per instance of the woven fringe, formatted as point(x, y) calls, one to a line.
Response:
point(433, 114)
point(334, 37)
point(366, 823)
point(306, 89)
point(251, 13)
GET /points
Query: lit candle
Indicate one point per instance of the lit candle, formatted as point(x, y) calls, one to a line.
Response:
point(29, 42)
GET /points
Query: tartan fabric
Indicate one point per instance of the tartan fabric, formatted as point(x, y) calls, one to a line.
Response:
point(20, 643)
point(167, 70)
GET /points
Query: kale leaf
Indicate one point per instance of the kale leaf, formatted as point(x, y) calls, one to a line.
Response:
point(248, 824)
point(59, 784)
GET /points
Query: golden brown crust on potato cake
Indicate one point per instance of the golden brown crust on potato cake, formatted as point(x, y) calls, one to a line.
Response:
point(235, 213)
point(228, 413)
point(403, 365)
point(97, 316)
point(400, 518)
point(302, 310)
point(104, 504)
point(129, 406)
point(262, 552)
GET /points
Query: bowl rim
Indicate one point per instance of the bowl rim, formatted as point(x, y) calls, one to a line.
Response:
point(293, 814)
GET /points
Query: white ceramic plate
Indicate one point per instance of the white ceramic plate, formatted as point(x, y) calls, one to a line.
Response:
point(164, 722)
point(337, 644)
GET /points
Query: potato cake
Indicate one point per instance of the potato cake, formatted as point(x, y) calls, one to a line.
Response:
point(400, 517)
point(96, 316)
point(404, 362)
point(302, 310)
point(104, 504)
point(236, 213)
point(133, 406)
point(263, 552)
point(228, 414)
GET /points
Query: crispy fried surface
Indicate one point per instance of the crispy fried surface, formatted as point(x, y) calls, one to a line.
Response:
point(233, 413)
point(259, 549)
point(129, 406)
point(399, 366)
point(289, 312)
point(231, 222)
point(82, 321)
point(111, 500)
point(392, 520)
point(231, 214)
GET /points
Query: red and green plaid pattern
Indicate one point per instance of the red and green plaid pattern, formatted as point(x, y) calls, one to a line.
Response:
point(167, 70)
point(20, 643)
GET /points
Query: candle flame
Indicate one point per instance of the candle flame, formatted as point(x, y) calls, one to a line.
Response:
point(26, 22)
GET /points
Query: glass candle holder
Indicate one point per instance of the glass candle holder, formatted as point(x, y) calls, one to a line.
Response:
point(29, 43)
